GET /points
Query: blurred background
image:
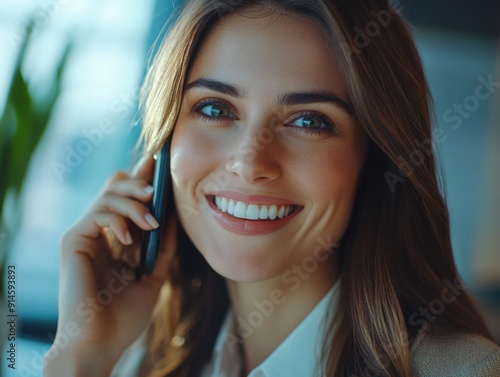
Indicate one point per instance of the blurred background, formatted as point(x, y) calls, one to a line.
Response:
point(70, 72)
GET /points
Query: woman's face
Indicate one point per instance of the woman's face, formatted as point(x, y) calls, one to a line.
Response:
point(266, 152)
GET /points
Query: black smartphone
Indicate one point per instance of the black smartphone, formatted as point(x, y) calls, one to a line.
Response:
point(162, 182)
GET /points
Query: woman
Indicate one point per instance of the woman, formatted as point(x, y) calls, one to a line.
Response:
point(299, 246)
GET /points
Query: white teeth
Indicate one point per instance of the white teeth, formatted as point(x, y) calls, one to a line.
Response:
point(273, 212)
point(230, 207)
point(223, 204)
point(252, 211)
point(240, 210)
point(264, 213)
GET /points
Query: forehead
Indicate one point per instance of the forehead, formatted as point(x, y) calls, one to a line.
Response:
point(285, 50)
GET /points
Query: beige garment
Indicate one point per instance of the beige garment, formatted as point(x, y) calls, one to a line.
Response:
point(455, 356)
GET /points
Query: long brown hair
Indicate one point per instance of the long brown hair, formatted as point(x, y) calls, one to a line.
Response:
point(396, 254)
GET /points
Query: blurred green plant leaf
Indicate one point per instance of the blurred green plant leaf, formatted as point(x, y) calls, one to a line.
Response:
point(24, 120)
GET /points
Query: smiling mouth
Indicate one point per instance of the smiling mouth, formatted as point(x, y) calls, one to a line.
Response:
point(252, 211)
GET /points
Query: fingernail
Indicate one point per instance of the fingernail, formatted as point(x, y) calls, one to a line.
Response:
point(149, 190)
point(128, 238)
point(151, 220)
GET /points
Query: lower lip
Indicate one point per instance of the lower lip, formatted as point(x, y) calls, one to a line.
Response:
point(248, 227)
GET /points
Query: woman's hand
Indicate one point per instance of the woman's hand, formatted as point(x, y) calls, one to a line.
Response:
point(103, 307)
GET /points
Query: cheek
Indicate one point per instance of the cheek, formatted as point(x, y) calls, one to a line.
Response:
point(328, 180)
point(192, 159)
point(329, 177)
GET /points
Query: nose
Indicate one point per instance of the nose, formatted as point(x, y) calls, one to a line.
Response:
point(254, 159)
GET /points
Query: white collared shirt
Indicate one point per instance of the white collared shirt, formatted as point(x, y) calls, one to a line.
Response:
point(298, 355)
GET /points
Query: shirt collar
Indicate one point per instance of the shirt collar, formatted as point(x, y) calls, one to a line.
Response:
point(298, 355)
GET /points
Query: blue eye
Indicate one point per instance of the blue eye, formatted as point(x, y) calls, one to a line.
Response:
point(313, 122)
point(310, 122)
point(214, 110)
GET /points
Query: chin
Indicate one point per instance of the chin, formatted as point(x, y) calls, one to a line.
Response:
point(241, 265)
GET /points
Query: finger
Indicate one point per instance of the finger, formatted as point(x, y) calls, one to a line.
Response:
point(84, 236)
point(137, 189)
point(116, 177)
point(92, 224)
point(120, 228)
point(144, 168)
point(118, 250)
point(129, 208)
point(113, 180)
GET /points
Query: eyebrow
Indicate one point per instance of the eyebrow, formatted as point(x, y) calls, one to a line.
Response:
point(286, 99)
point(217, 86)
point(289, 99)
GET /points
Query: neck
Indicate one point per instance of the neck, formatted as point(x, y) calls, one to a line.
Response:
point(267, 312)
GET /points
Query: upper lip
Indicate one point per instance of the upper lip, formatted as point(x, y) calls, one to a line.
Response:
point(254, 198)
